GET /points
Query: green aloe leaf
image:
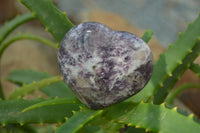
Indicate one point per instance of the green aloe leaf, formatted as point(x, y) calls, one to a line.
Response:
point(29, 36)
point(135, 130)
point(51, 102)
point(147, 35)
point(11, 25)
point(195, 68)
point(54, 20)
point(102, 125)
point(17, 128)
point(167, 62)
point(180, 89)
point(26, 76)
point(152, 117)
point(78, 120)
point(58, 89)
point(162, 92)
point(10, 112)
point(26, 89)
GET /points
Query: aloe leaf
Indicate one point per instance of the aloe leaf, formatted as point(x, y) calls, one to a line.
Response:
point(54, 20)
point(167, 62)
point(91, 129)
point(78, 120)
point(10, 112)
point(1, 92)
point(11, 25)
point(29, 36)
point(162, 92)
point(110, 126)
point(25, 89)
point(136, 130)
point(58, 89)
point(17, 128)
point(152, 117)
point(101, 125)
point(26, 76)
point(50, 102)
point(195, 68)
point(180, 89)
point(147, 35)
point(9, 41)
point(7, 28)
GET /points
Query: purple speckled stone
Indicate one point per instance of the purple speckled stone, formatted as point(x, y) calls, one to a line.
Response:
point(103, 66)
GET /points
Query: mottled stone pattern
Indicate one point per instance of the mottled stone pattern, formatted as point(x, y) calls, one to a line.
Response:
point(103, 66)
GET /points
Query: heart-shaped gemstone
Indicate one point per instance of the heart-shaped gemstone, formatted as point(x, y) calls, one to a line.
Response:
point(102, 66)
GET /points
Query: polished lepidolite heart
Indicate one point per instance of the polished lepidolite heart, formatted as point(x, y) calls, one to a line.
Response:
point(102, 66)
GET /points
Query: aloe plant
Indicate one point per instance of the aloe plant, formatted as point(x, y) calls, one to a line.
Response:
point(147, 111)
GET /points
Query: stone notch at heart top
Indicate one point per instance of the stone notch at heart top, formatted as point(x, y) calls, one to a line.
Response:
point(102, 66)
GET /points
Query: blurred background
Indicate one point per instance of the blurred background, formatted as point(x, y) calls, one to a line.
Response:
point(165, 17)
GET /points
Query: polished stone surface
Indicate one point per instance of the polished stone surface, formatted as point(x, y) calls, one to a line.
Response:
point(103, 66)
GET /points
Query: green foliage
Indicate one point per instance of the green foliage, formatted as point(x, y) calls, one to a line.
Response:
point(53, 19)
point(26, 89)
point(55, 101)
point(152, 117)
point(180, 89)
point(58, 89)
point(78, 120)
point(195, 68)
point(162, 93)
point(170, 60)
point(62, 107)
point(147, 35)
point(10, 26)
point(11, 112)
point(13, 128)
point(29, 36)
point(26, 76)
